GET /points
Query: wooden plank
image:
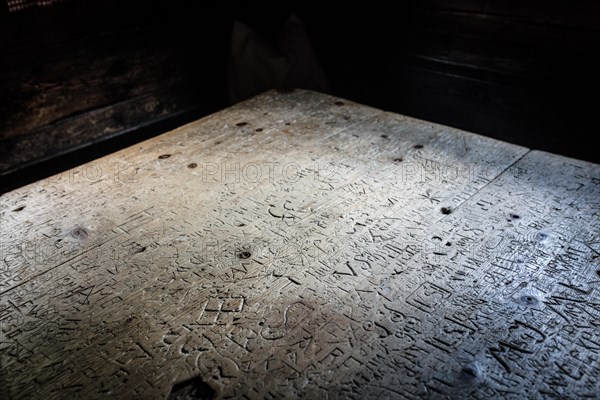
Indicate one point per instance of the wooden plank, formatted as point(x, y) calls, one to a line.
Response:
point(511, 113)
point(582, 15)
point(532, 114)
point(100, 124)
point(50, 109)
point(298, 245)
point(505, 50)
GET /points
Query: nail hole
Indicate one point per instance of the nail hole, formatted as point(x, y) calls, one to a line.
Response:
point(418, 146)
point(598, 272)
point(244, 255)
point(79, 233)
point(164, 156)
point(240, 124)
point(514, 216)
point(218, 142)
point(19, 209)
point(540, 236)
point(528, 300)
point(446, 210)
point(384, 136)
point(339, 103)
point(192, 165)
point(448, 244)
point(259, 129)
point(398, 160)
point(140, 249)
point(287, 123)
point(241, 224)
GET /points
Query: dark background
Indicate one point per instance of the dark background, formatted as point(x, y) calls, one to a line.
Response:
point(84, 78)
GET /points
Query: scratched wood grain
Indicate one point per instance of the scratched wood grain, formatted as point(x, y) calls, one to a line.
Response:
point(301, 246)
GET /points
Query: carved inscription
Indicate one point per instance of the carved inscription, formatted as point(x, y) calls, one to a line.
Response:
point(298, 246)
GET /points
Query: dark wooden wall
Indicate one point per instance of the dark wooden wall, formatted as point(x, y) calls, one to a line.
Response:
point(87, 77)
point(522, 71)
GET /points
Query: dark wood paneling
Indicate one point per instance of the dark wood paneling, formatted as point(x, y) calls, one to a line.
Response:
point(81, 72)
point(73, 132)
point(518, 71)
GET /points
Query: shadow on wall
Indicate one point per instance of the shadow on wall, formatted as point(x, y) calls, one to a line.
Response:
point(281, 59)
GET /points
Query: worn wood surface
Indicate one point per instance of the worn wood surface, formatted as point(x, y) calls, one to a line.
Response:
point(298, 245)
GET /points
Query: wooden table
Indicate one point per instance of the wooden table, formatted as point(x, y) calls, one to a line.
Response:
point(298, 245)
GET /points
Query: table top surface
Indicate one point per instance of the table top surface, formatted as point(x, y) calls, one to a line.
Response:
point(299, 245)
